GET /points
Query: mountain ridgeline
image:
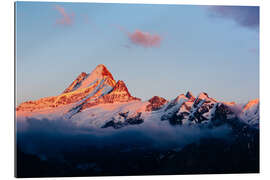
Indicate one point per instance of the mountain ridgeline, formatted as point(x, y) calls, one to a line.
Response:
point(96, 127)
point(99, 88)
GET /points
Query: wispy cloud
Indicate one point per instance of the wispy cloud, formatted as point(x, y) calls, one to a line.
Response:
point(246, 16)
point(141, 38)
point(66, 19)
point(144, 39)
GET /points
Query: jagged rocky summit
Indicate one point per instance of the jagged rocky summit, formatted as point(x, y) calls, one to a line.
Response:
point(97, 100)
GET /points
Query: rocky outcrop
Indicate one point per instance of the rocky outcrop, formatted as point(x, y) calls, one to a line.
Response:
point(200, 110)
point(155, 103)
point(190, 96)
point(118, 94)
point(123, 119)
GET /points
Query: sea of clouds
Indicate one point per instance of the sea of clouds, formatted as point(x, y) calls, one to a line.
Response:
point(53, 137)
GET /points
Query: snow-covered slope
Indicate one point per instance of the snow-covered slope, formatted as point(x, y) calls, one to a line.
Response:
point(250, 113)
point(96, 100)
point(84, 87)
point(97, 87)
point(85, 80)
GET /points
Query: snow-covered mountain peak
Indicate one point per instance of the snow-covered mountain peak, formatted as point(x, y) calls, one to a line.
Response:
point(250, 113)
point(85, 80)
point(204, 96)
point(99, 73)
point(251, 104)
point(98, 93)
point(179, 98)
point(102, 71)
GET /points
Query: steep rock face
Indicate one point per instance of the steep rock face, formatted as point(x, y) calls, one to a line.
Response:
point(210, 112)
point(222, 114)
point(170, 111)
point(155, 103)
point(190, 96)
point(76, 83)
point(85, 80)
point(84, 87)
point(99, 73)
point(177, 102)
point(119, 93)
point(201, 110)
point(124, 119)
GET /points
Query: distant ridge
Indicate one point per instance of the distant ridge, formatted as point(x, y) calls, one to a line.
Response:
point(98, 100)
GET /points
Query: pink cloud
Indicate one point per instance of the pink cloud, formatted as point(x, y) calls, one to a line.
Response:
point(144, 39)
point(67, 19)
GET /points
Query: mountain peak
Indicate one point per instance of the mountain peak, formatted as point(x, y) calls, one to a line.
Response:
point(155, 103)
point(100, 73)
point(190, 96)
point(83, 74)
point(181, 96)
point(101, 66)
point(102, 70)
point(121, 86)
point(120, 82)
point(156, 99)
point(119, 93)
point(205, 98)
point(250, 113)
point(203, 95)
point(251, 104)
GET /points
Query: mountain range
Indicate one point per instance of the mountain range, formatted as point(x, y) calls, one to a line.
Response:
point(96, 100)
point(95, 127)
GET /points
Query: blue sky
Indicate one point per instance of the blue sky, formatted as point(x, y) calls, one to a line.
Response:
point(162, 50)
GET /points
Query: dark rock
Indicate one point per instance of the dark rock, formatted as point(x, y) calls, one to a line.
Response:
point(156, 103)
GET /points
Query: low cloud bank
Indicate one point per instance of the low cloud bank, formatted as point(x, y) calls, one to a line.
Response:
point(53, 137)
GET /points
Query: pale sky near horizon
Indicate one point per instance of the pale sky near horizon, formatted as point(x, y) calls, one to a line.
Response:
point(162, 50)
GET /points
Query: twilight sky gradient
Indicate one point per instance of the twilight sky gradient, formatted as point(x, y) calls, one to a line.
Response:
point(162, 50)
